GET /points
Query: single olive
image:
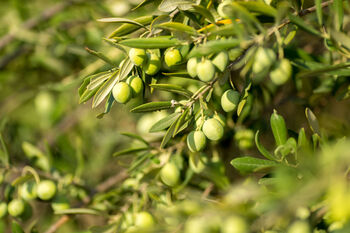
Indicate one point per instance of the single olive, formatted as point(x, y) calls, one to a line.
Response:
point(235, 224)
point(299, 227)
point(153, 64)
point(136, 85)
point(230, 100)
point(172, 57)
point(220, 61)
point(3, 209)
point(138, 56)
point(170, 174)
point(198, 162)
point(46, 189)
point(213, 129)
point(196, 141)
point(264, 58)
point(282, 72)
point(205, 70)
point(122, 92)
point(192, 66)
point(144, 220)
point(16, 207)
point(28, 190)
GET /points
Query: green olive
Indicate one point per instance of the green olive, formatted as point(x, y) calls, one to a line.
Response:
point(122, 92)
point(172, 57)
point(46, 189)
point(28, 190)
point(153, 65)
point(138, 56)
point(170, 174)
point(197, 225)
point(263, 60)
point(144, 220)
point(205, 70)
point(136, 85)
point(192, 66)
point(196, 141)
point(3, 209)
point(282, 72)
point(16, 207)
point(230, 100)
point(220, 61)
point(299, 227)
point(213, 129)
point(60, 202)
point(198, 162)
point(235, 224)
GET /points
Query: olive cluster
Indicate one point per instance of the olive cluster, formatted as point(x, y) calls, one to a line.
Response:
point(45, 190)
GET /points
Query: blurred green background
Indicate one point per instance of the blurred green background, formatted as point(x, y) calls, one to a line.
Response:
point(42, 62)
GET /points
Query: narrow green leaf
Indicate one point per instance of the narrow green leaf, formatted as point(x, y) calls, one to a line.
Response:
point(152, 106)
point(164, 123)
point(105, 89)
point(249, 164)
point(303, 142)
point(172, 88)
point(108, 106)
point(125, 69)
point(259, 7)
point(171, 5)
point(204, 12)
point(88, 94)
point(119, 20)
point(128, 28)
point(134, 136)
point(5, 157)
point(130, 151)
point(262, 149)
point(301, 23)
point(313, 122)
point(169, 133)
point(180, 122)
point(143, 3)
point(79, 211)
point(318, 4)
point(97, 81)
point(175, 26)
point(213, 46)
point(151, 43)
point(338, 14)
point(100, 55)
point(22, 179)
point(341, 38)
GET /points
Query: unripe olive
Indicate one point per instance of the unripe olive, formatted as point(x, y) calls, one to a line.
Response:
point(3, 209)
point(170, 174)
point(122, 92)
point(299, 227)
point(138, 56)
point(16, 207)
point(263, 59)
point(220, 61)
point(205, 70)
point(192, 66)
point(28, 190)
point(172, 57)
point(230, 100)
point(196, 141)
point(136, 85)
point(197, 225)
point(60, 202)
point(213, 129)
point(198, 162)
point(46, 190)
point(144, 220)
point(235, 224)
point(282, 72)
point(153, 64)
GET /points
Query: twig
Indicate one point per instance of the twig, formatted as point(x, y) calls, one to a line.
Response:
point(58, 224)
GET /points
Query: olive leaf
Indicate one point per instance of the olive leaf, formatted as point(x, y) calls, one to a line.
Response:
point(151, 43)
point(164, 123)
point(128, 28)
point(171, 5)
point(249, 164)
point(172, 88)
point(152, 106)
